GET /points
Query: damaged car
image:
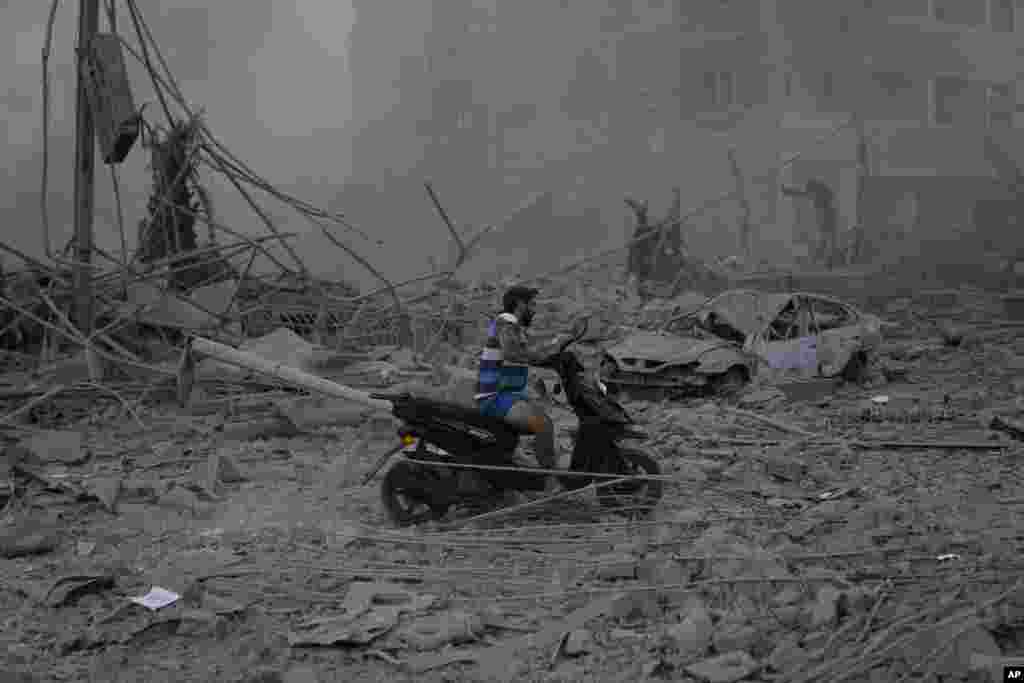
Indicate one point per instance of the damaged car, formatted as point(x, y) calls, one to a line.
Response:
point(722, 344)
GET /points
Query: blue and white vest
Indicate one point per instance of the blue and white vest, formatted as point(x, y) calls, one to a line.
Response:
point(497, 376)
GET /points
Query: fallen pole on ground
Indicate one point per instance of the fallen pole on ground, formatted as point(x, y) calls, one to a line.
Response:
point(295, 377)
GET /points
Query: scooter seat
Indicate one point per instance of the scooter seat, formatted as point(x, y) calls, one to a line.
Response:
point(469, 414)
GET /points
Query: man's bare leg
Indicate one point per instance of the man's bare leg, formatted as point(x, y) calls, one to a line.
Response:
point(531, 417)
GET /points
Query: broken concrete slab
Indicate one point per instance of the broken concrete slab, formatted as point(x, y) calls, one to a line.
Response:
point(779, 463)
point(499, 662)
point(346, 630)
point(726, 668)
point(828, 606)
point(67, 589)
point(638, 605)
point(951, 649)
point(738, 636)
point(450, 627)
point(301, 674)
point(272, 427)
point(221, 468)
point(107, 490)
point(615, 567)
point(692, 636)
point(753, 562)
point(66, 447)
point(28, 537)
point(761, 398)
point(787, 655)
point(578, 642)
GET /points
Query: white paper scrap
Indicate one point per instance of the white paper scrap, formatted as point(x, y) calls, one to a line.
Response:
point(156, 598)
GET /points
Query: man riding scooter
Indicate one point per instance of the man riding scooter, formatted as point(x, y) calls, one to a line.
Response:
point(504, 376)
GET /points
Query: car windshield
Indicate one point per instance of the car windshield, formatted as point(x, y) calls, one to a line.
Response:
point(714, 324)
point(706, 324)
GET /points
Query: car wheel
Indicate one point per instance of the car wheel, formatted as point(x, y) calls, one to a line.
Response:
point(606, 374)
point(856, 368)
point(642, 493)
point(731, 381)
point(403, 494)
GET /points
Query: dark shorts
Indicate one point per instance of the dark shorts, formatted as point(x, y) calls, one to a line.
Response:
point(499, 404)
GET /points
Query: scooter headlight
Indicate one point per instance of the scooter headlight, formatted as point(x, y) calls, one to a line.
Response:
point(603, 387)
point(407, 440)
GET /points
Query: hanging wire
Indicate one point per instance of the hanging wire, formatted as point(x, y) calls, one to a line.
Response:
point(136, 20)
point(112, 16)
point(224, 155)
point(214, 149)
point(218, 155)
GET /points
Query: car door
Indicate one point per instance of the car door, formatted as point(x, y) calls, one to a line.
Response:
point(839, 334)
point(790, 341)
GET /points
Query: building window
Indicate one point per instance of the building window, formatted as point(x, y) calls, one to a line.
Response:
point(999, 106)
point(721, 88)
point(464, 121)
point(945, 90)
point(892, 83)
point(844, 24)
point(959, 12)
point(826, 84)
point(1002, 15)
point(788, 85)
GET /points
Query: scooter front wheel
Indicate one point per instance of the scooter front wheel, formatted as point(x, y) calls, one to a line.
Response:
point(643, 492)
point(405, 494)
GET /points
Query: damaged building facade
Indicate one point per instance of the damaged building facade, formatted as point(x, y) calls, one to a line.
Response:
point(929, 80)
point(596, 100)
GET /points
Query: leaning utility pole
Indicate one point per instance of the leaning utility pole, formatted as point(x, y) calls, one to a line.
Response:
point(746, 215)
point(85, 169)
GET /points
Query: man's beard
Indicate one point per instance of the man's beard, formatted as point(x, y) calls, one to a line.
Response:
point(526, 318)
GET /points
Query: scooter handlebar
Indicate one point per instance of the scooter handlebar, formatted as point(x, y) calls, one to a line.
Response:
point(390, 396)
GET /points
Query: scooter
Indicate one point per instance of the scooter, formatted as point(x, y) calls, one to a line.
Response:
point(439, 437)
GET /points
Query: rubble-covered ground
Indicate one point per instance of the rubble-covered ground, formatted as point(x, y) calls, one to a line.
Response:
point(814, 537)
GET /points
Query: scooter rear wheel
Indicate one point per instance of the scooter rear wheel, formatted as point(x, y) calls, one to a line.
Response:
point(403, 494)
point(644, 493)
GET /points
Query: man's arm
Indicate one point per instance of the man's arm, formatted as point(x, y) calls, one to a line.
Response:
point(518, 349)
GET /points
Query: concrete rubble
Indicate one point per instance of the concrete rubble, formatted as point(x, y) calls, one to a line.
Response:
point(165, 517)
point(806, 537)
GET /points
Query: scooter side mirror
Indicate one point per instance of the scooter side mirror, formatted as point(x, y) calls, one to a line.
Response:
point(579, 328)
point(557, 389)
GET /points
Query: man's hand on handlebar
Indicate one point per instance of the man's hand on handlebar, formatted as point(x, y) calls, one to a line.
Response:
point(552, 348)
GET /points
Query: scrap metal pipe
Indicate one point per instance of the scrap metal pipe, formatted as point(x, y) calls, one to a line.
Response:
point(285, 373)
